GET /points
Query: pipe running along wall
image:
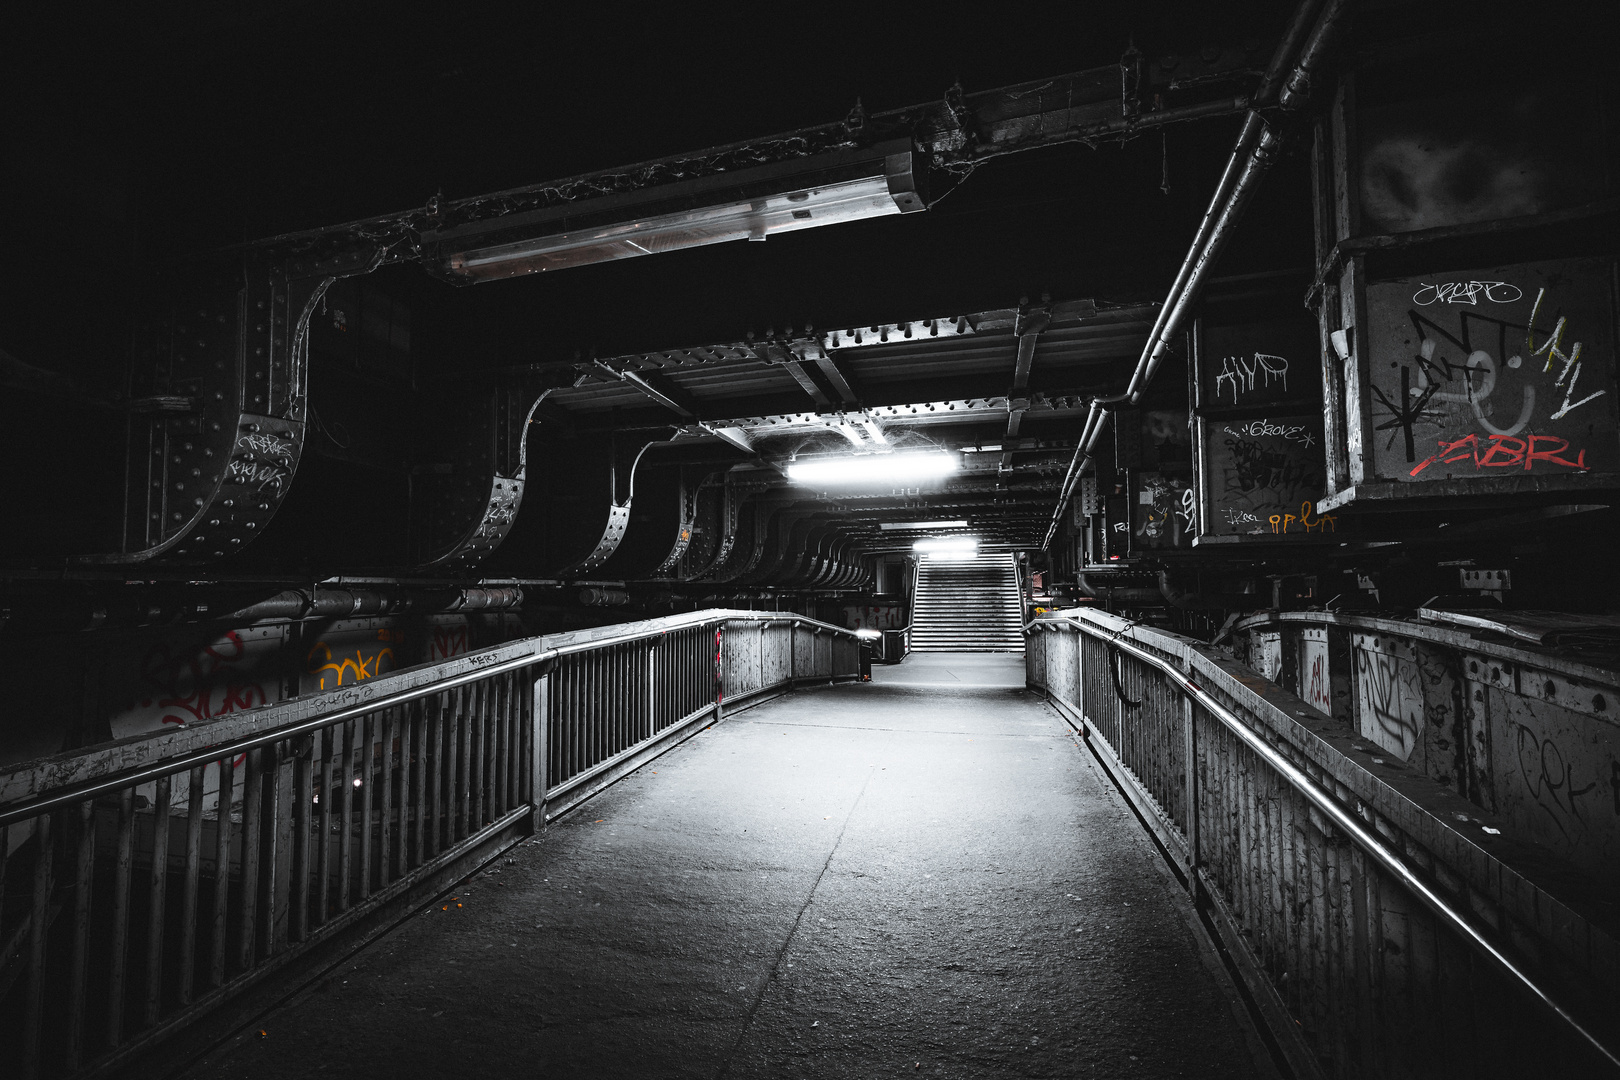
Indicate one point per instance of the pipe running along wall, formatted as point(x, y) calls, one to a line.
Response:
point(1255, 151)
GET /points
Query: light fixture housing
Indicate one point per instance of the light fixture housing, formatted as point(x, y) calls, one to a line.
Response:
point(891, 526)
point(868, 470)
point(742, 204)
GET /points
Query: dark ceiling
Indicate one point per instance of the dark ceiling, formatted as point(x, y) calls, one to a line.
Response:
point(134, 135)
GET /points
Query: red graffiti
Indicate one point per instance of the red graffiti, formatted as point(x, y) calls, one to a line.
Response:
point(448, 641)
point(199, 684)
point(1503, 452)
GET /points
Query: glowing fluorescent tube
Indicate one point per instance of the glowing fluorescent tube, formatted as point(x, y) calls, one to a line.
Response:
point(948, 544)
point(873, 469)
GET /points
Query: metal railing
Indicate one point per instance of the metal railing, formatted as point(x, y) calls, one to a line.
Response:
point(1380, 942)
point(148, 881)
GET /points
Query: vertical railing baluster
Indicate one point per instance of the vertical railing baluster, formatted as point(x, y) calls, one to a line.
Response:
point(367, 777)
point(84, 881)
point(278, 796)
point(123, 871)
point(303, 807)
point(539, 750)
point(39, 929)
point(222, 872)
point(186, 973)
point(498, 720)
point(477, 753)
point(326, 740)
point(436, 743)
point(252, 823)
point(385, 822)
point(156, 900)
point(345, 784)
point(460, 737)
point(518, 704)
point(419, 748)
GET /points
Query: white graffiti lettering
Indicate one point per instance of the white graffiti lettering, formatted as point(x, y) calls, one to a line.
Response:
point(1256, 428)
point(1241, 373)
point(1466, 292)
point(1571, 361)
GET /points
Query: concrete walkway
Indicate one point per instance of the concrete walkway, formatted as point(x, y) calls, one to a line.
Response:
point(924, 876)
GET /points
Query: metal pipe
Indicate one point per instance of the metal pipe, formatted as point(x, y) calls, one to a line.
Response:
point(1353, 827)
point(1255, 150)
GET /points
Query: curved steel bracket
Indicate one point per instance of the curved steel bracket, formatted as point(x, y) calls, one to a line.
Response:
point(202, 480)
point(478, 514)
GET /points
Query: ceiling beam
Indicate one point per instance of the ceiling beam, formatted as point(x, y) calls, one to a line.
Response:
point(657, 387)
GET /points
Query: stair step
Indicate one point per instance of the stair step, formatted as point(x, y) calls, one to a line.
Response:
point(968, 607)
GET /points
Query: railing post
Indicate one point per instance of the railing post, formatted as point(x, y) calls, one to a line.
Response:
point(539, 740)
point(1189, 740)
point(719, 671)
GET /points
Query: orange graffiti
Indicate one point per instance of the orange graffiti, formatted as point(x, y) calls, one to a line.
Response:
point(359, 666)
point(1311, 523)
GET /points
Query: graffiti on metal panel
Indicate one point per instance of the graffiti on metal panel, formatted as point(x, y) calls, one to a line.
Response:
point(262, 462)
point(1317, 693)
point(1307, 520)
point(1476, 380)
point(1241, 375)
point(1466, 292)
point(448, 641)
point(1166, 511)
point(349, 664)
point(1391, 700)
point(1549, 776)
point(190, 685)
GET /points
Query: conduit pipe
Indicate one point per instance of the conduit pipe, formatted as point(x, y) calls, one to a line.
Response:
point(1297, 55)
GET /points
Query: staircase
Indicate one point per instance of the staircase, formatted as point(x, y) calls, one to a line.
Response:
point(967, 605)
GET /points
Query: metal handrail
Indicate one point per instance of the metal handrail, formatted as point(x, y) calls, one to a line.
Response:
point(43, 803)
point(1352, 826)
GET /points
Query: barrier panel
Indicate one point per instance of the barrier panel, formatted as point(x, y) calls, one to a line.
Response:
point(1377, 938)
point(145, 882)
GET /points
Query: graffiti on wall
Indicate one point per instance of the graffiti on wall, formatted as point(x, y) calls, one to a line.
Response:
point(874, 617)
point(1389, 693)
point(1265, 475)
point(180, 681)
point(1314, 683)
point(1166, 511)
point(447, 638)
point(1493, 373)
point(348, 658)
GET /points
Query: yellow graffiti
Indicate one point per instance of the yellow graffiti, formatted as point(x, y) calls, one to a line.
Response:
point(1318, 523)
point(359, 666)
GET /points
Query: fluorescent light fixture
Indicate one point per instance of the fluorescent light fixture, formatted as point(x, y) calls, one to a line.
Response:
point(890, 526)
point(873, 469)
point(742, 204)
point(946, 544)
point(990, 449)
point(869, 633)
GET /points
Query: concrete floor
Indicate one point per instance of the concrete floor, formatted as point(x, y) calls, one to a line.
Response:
point(923, 876)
